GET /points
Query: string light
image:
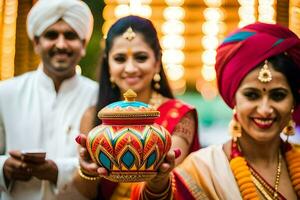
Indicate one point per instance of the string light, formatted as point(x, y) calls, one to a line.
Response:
point(247, 12)
point(212, 28)
point(173, 42)
point(266, 11)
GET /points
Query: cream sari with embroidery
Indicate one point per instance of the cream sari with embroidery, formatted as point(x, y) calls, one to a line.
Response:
point(207, 175)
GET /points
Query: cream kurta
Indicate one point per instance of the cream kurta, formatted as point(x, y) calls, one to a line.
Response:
point(34, 116)
point(210, 168)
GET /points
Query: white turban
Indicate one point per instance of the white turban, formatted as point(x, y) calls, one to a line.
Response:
point(47, 12)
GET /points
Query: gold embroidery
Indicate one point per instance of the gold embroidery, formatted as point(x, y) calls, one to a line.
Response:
point(178, 104)
point(185, 129)
point(164, 123)
point(174, 114)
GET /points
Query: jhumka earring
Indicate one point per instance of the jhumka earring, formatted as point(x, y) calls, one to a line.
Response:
point(112, 82)
point(290, 127)
point(265, 75)
point(129, 34)
point(156, 79)
point(235, 128)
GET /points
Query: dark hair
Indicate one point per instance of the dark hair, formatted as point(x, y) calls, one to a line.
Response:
point(285, 65)
point(109, 93)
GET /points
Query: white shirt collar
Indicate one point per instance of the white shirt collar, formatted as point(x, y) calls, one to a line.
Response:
point(47, 83)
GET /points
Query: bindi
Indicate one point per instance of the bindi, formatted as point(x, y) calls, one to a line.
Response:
point(129, 52)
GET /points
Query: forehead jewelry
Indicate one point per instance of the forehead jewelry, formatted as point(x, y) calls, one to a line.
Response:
point(265, 75)
point(129, 34)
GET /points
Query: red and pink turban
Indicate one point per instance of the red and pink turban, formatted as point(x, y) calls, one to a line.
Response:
point(246, 48)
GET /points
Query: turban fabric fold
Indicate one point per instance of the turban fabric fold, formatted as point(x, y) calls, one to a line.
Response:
point(246, 48)
point(47, 12)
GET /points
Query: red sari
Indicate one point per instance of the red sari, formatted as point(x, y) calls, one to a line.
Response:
point(171, 113)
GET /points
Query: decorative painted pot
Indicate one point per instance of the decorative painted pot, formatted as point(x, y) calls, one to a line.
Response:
point(128, 143)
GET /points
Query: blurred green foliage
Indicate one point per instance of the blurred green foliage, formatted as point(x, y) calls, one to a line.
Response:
point(91, 61)
point(210, 112)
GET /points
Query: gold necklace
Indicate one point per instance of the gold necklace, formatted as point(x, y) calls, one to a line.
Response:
point(242, 172)
point(156, 99)
point(262, 186)
point(278, 173)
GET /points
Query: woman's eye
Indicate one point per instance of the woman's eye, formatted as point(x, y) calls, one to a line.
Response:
point(251, 95)
point(141, 58)
point(278, 95)
point(120, 59)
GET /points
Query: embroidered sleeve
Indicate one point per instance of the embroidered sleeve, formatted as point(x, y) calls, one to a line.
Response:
point(185, 129)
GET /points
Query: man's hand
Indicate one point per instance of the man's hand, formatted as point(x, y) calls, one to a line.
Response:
point(15, 169)
point(46, 170)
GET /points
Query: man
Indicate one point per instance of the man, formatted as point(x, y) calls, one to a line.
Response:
point(41, 110)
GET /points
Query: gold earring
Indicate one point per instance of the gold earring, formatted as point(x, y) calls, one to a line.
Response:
point(290, 128)
point(156, 79)
point(235, 128)
point(112, 82)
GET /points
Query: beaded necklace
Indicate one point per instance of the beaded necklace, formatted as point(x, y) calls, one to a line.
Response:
point(244, 178)
point(156, 99)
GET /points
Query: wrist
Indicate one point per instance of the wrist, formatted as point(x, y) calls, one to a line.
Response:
point(162, 190)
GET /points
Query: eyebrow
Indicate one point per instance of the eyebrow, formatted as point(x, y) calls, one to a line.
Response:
point(258, 89)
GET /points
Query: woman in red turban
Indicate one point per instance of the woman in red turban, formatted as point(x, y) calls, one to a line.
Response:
point(258, 69)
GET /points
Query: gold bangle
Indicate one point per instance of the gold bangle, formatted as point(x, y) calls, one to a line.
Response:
point(168, 191)
point(86, 177)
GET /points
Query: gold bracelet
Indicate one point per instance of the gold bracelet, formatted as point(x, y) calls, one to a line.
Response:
point(150, 195)
point(86, 177)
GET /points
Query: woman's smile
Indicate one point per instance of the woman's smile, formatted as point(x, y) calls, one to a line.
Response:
point(132, 80)
point(263, 123)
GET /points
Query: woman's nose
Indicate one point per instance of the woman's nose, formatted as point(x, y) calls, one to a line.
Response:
point(130, 66)
point(265, 108)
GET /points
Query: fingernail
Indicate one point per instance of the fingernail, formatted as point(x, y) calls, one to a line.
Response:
point(78, 139)
point(177, 152)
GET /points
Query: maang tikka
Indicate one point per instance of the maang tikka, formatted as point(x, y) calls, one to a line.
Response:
point(129, 34)
point(265, 75)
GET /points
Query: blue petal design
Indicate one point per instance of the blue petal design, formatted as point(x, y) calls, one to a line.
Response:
point(277, 42)
point(238, 37)
point(124, 104)
point(151, 159)
point(128, 159)
point(104, 160)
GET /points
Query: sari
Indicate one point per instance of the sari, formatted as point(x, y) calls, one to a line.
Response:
point(171, 113)
point(203, 175)
point(206, 174)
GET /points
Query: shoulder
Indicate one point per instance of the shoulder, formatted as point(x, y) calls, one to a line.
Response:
point(16, 84)
point(179, 103)
point(86, 82)
point(204, 158)
point(209, 154)
point(87, 120)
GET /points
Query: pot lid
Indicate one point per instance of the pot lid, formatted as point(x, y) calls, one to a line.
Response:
point(129, 109)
